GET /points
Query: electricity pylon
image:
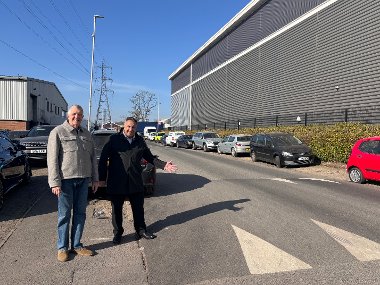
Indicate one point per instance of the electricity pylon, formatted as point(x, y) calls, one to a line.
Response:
point(103, 114)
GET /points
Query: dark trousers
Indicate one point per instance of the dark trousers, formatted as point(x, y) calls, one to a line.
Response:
point(137, 205)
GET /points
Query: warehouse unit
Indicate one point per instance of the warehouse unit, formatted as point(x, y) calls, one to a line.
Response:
point(25, 102)
point(283, 57)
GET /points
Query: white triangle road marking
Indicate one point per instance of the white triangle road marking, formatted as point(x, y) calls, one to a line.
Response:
point(262, 257)
point(361, 248)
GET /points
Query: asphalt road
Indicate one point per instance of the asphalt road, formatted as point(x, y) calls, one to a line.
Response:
point(222, 220)
point(219, 220)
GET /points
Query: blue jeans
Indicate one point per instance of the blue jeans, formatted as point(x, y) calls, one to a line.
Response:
point(73, 195)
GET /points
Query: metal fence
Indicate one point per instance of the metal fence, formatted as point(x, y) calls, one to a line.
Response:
point(359, 115)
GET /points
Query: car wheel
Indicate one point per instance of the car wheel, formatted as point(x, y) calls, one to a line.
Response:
point(149, 190)
point(27, 174)
point(205, 148)
point(194, 146)
point(218, 150)
point(253, 156)
point(277, 161)
point(233, 152)
point(356, 175)
point(1, 195)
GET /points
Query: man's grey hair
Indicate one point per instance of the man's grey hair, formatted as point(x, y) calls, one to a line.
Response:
point(75, 106)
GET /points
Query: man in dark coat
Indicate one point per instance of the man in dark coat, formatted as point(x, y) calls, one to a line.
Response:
point(120, 164)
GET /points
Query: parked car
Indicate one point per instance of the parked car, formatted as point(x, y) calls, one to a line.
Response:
point(14, 166)
point(282, 149)
point(16, 135)
point(163, 139)
point(158, 136)
point(185, 141)
point(235, 144)
point(36, 140)
point(100, 138)
point(364, 161)
point(206, 140)
point(171, 139)
point(151, 136)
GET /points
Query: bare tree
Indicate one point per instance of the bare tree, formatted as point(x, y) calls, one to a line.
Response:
point(142, 104)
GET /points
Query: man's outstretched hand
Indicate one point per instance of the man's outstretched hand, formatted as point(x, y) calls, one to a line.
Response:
point(170, 167)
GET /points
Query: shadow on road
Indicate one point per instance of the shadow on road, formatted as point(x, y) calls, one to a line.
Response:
point(186, 216)
point(170, 184)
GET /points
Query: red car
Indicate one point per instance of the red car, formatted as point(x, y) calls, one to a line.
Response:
point(364, 161)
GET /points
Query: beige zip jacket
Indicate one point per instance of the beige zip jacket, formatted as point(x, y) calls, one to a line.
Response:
point(70, 154)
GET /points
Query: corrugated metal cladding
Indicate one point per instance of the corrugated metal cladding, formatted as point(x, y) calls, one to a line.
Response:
point(328, 61)
point(13, 99)
point(181, 80)
point(180, 104)
point(269, 18)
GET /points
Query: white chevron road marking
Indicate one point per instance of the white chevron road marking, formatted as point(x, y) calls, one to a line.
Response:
point(262, 257)
point(319, 179)
point(362, 248)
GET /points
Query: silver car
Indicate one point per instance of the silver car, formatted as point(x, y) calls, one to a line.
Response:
point(235, 144)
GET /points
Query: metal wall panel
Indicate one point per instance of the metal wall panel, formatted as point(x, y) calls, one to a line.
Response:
point(327, 62)
point(13, 100)
point(208, 101)
point(213, 58)
point(180, 104)
point(181, 80)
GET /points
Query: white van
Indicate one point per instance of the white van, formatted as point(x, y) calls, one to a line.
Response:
point(148, 130)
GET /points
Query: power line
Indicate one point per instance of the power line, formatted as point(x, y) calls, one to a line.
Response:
point(36, 62)
point(59, 32)
point(39, 36)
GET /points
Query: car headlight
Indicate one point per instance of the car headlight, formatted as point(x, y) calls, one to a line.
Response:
point(285, 153)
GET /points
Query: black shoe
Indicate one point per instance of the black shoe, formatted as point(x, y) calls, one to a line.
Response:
point(117, 239)
point(145, 234)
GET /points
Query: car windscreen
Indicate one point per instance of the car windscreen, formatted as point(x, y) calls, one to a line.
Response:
point(284, 140)
point(187, 137)
point(40, 131)
point(100, 140)
point(243, 139)
point(210, 136)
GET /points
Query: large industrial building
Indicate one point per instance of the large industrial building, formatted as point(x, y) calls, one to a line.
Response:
point(283, 62)
point(26, 102)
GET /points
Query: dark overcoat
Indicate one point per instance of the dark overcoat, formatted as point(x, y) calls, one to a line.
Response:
point(120, 164)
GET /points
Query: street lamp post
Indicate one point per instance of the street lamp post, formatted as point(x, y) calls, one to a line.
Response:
point(92, 72)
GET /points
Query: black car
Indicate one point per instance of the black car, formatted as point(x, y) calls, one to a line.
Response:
point(35, 141)
point(185, 141)
point(282, 149)
point(14, 166)
point(100, 138)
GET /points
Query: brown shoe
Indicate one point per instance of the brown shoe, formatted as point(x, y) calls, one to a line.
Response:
point(83, 251)
point(63, 255)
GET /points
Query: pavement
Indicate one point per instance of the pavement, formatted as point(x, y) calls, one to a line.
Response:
point(29, 256)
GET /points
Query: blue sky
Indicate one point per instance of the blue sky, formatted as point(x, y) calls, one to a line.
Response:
point(143, 41)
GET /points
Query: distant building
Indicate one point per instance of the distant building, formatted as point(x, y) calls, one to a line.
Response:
point(26, 102)
point(279, 58)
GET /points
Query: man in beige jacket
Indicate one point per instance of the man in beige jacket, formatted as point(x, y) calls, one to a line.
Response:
point(72, 165)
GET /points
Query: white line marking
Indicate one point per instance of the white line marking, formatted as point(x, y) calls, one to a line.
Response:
point(283, 180)
point(262, 257)
point(362, 248)
point(319, 179)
